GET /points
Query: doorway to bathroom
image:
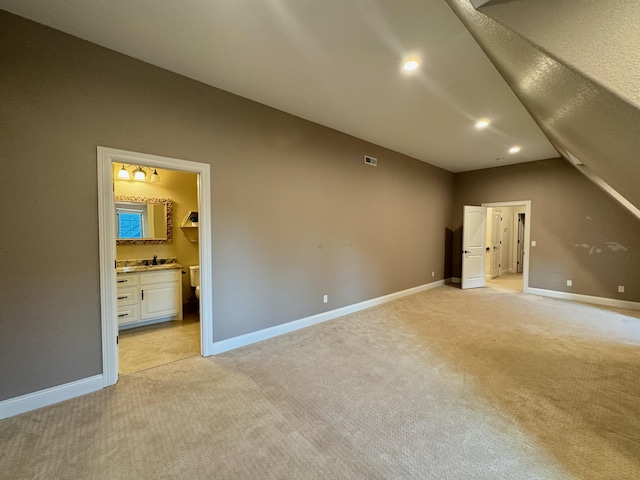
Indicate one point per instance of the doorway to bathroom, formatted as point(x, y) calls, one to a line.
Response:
point(157, 245)
point(155, 272)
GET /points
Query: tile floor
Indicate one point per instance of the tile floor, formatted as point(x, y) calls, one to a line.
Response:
point(154, 345)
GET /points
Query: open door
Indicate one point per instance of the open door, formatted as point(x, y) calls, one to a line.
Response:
point(474, 237)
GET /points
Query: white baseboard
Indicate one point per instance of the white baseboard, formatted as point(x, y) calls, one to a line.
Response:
point(43, 398)
point(264, 334)
point(609, 302)
point(455, 280)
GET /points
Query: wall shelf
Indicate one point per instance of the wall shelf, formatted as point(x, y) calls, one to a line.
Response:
point(189, 226)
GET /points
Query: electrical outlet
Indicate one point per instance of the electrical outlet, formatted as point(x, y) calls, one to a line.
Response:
point(325, 299)
point(569, 283)
point(533, 243)
point(620, 288)
point(433, 274)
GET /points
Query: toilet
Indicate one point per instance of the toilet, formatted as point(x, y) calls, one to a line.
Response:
point(194, 278)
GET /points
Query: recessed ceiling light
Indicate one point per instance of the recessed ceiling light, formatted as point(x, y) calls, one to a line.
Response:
point(515, 149)
point(483, 122)
point(411, 65)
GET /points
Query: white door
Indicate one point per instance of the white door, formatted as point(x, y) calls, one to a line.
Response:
point(474, 231)
point(496, 243)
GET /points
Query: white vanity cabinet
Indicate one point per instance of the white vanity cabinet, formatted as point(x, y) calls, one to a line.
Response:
point(149, 297)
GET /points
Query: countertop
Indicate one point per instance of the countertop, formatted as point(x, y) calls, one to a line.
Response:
point(148, 268)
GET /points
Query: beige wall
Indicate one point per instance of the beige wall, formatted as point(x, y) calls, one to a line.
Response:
point(181, 188)
point(569, 213)
point(296, 213)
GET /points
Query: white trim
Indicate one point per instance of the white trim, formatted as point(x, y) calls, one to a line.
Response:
point(107, 244)
point(106, 212)
point(264, 334)
point(527, 235)
point(44, 398)
point(456, 280)
point(577, 297)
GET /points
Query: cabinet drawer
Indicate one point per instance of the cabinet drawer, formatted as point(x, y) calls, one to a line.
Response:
point(126, 279)
point(127, 296)
point(163, 276)
point(128, 314)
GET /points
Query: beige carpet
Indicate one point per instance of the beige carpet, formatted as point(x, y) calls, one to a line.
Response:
point(446, 384)
point(158, 344)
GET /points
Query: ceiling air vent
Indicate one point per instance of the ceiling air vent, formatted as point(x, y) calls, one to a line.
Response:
point(370, 160)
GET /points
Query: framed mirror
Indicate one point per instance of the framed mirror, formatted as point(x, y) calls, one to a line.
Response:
point(143, 220)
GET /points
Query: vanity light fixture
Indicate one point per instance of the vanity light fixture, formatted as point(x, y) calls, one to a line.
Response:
point(139, 174)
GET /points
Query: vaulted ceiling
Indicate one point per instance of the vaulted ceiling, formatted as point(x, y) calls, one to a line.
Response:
point(550, 75)
point(337, 63)
point(576, 67)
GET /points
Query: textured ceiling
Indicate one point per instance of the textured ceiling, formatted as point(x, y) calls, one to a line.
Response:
point(333, 62)
point(599, 39)
point(584, 118)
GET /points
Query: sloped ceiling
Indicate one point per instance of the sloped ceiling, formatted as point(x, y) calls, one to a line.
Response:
point(334, 62)
point(576, 67)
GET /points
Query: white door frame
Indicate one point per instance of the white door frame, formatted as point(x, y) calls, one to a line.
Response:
point(107, 237)
point(527, 235)
point(518, 243)
point(496, 238)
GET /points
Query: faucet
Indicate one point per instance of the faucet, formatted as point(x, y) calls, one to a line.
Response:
point(155, 260)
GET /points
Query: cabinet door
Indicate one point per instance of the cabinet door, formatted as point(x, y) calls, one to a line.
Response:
point(160, 300)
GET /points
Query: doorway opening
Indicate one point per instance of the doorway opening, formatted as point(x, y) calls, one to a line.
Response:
point(158, 311)
point(495, 245)
point(510, 273)
point(156, 285)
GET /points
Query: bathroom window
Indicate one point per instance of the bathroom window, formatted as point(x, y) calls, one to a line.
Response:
point(131, 222)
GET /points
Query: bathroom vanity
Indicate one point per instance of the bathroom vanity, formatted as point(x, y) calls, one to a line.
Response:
point(149, 294)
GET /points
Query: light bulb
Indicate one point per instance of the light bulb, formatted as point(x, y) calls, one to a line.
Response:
point(411, 65)
point(124, 174)
point(139, 174)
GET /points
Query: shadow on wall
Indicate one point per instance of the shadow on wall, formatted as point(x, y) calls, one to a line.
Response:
point(452, 248)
